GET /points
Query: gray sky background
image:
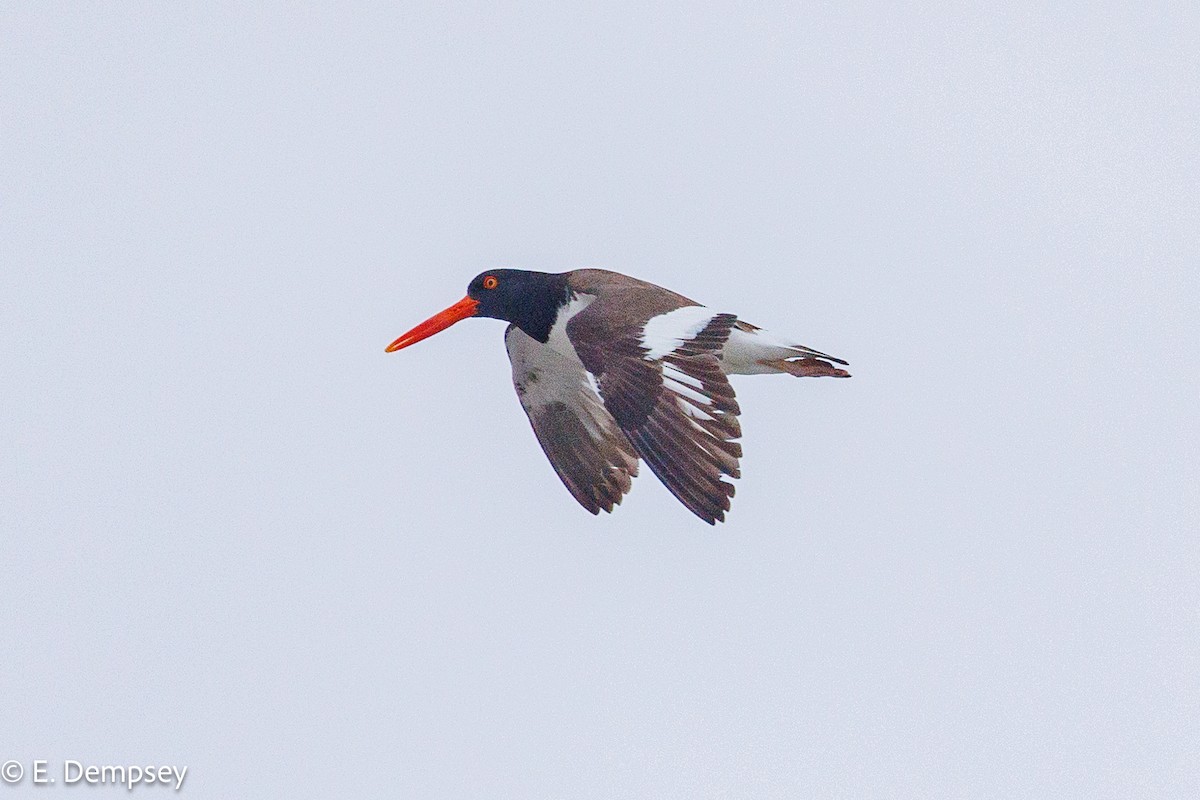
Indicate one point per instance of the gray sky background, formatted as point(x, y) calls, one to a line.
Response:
point(239, 536)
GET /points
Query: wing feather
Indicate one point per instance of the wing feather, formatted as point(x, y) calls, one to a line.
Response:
point(677, 410)
point(584, 444)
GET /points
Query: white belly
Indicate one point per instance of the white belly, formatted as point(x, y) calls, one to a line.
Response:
point(746, 350)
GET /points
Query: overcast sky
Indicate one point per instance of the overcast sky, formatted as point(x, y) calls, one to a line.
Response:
point(238, 536)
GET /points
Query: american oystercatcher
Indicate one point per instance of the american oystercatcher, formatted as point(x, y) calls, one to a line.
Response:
point(611, 369)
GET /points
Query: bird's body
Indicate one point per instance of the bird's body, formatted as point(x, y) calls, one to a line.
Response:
point(611, 369)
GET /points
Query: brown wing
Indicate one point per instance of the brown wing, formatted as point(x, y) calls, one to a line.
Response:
point(584, 444)
point(675, 405)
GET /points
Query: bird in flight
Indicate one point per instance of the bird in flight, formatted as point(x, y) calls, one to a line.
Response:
point(611, 369)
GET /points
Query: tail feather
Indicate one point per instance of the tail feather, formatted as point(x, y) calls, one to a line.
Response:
point(807, 367)
point(810, 353)
point(750, 350)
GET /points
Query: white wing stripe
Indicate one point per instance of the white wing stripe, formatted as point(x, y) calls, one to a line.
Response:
point(679, 376)
point(695, 413)
point(686, 391)
point(662, 334)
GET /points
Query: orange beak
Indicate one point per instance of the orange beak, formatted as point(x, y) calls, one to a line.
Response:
point(438, 322)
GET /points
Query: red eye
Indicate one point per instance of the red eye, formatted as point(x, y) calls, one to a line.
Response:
point(491, 282)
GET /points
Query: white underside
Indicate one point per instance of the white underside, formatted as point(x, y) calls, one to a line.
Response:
point(745, 351)
point(544, 375)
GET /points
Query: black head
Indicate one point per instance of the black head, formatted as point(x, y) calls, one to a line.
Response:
point(529, 300)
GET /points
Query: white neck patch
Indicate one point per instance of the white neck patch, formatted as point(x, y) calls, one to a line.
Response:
point(558, 332)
